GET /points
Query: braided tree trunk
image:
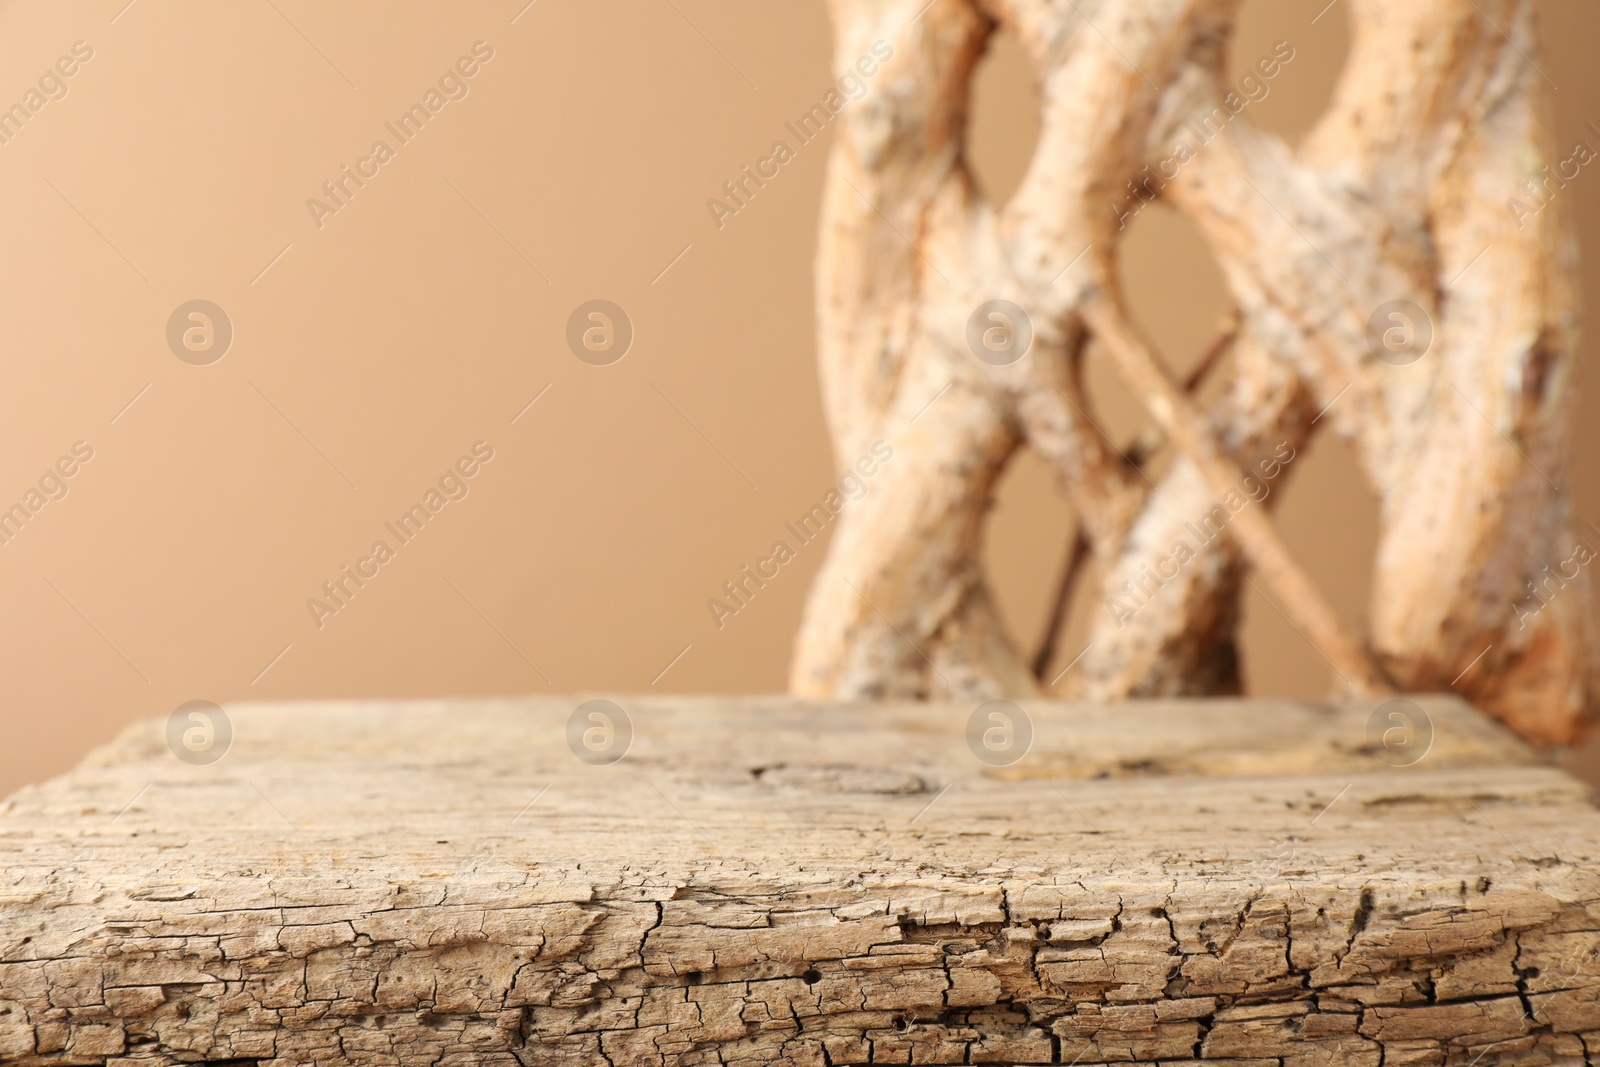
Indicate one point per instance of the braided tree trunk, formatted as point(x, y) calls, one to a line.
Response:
point(1384, 290)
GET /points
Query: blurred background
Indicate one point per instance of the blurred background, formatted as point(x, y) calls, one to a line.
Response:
point(377, 339)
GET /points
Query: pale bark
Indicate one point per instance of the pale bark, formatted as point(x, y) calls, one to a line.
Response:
point(1399, 193)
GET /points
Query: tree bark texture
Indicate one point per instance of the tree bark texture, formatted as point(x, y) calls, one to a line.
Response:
point(1384, 288)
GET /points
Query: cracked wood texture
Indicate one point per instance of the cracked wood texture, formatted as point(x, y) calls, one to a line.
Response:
point(1399, 193)
point(768, 881)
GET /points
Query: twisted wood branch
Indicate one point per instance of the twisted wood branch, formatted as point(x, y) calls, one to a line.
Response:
point(1394, 206)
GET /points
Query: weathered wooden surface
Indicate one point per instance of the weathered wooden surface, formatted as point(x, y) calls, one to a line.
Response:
point(764, 881)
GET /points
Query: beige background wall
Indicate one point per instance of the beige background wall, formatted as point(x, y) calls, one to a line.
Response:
point(372, 352)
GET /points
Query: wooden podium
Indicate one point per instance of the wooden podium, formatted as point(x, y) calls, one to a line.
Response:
point(765, 881)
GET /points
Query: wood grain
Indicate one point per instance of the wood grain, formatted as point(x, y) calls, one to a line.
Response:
point(770, 881)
